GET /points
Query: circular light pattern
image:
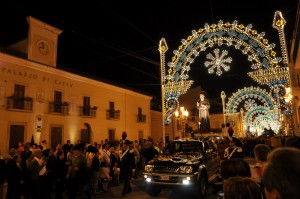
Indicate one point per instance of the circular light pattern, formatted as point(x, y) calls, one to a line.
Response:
point(249, 104)
point(218, 62)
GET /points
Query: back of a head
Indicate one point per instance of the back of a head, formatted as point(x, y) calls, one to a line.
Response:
point(282, 173)
point(235, 167)
point(292, 142)
point(261, 152)
point(276, 142)
point(241, 188)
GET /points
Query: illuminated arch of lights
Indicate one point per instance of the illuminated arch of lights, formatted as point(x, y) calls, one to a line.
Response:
point(265, 121)
point(243, 95)
point(260, 110)
point(176, 82)
point(260, 53)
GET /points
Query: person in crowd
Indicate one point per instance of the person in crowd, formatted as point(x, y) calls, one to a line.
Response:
point(14, 177)
point(232, 151)
point(114, 166)
point(127, 164)
point(282, 173)
point(231, 168)
point(261, 152)
point(149, 152)
point(2, 175)
point(241, 188)
point(276, 142)
point(60, 171)
point(203, 106)
point(44, 145)
point(21, 147)
point(94, 169)
point(66, 148)
point(230, 137)
point(37, 168)
point(26, 171)
point(77, 174)
point(293, 142)
point(105, 166)
point(235, 167)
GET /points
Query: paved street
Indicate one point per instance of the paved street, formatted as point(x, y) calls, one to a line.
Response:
point(139, 192)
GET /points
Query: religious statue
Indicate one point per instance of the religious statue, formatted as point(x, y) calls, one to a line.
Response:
point(203, 106)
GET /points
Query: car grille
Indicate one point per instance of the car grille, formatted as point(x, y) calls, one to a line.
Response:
point(165, 167)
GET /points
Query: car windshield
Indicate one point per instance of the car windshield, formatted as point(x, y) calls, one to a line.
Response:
point(188, 147)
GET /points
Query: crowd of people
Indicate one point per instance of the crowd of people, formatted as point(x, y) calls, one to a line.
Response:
point(276, 172)
point(37, 171)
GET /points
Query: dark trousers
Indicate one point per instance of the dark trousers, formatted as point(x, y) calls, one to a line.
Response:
point(35, 189)
point(127, 187)
point(59, 189)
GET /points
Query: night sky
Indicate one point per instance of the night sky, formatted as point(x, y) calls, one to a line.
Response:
point(118, 40)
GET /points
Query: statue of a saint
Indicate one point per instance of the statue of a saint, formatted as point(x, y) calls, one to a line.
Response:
point(203, 106)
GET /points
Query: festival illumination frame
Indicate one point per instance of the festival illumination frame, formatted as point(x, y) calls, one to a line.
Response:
point(251, 43)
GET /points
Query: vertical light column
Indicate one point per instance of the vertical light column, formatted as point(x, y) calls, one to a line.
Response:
point(223, 96)
point(163, 49)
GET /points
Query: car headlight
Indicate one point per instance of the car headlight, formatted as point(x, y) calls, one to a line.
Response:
point(185, 169)
point(149, 168)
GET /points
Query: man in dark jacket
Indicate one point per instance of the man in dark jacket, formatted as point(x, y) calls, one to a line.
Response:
point(127, 164)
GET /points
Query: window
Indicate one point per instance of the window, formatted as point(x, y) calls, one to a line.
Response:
point(86, 105)
point(112, 113)
point(111, 134)
point(111, 106)
point(141, 135)
point(57, 101)
point(19, 95)
point(140, 116)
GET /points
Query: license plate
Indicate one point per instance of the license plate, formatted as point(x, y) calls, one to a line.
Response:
point(164, 177)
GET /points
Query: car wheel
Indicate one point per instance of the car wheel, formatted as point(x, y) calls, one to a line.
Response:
point(202, 185)
point(154, 190)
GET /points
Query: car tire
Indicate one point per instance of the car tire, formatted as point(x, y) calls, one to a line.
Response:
point(202, 185)
point(154, 190)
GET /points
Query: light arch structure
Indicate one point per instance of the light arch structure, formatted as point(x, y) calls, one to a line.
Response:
point(251, 92)
point(266, 121)
point(248, 41)
point(259, 110)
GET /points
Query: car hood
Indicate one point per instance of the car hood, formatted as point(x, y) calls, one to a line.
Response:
point(179, 159)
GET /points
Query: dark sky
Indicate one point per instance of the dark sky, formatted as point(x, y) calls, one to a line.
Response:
point(118, 40)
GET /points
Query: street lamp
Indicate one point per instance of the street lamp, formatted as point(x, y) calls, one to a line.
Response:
point(182, 114)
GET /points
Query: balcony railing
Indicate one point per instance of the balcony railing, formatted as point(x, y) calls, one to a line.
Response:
point(59, 108)
point(17, 103)
point(112, 114)
point(86, 111)
point(141, 118)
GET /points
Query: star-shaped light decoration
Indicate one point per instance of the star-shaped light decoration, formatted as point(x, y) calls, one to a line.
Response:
point(218, 61)
point(250, 103)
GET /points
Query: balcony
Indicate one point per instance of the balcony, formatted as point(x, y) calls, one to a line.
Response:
point(141, 118)
point(112, 114)
point(19, 104)
point(59, 108)
point(88, 111)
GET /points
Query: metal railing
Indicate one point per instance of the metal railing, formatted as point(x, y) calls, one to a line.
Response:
point(141, 118)
point(112, 114)
point(87, 111)
point(59, 108)
point(17, 103)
